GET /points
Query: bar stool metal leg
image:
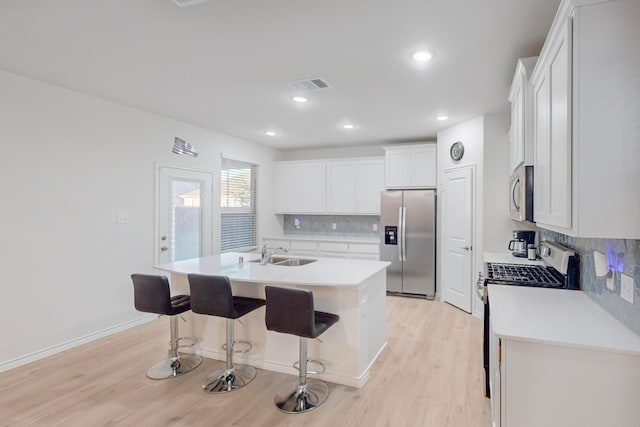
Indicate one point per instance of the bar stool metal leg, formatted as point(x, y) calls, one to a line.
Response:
point(233, 377)
point(176, 364)
point(308, 394)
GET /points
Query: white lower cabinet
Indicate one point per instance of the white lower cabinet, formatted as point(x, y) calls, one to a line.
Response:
point(311, 247)
point(559, 386)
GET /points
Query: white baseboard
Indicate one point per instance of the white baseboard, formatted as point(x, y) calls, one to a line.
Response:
point(41, 354)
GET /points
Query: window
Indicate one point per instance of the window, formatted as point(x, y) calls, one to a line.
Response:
point(238, 205)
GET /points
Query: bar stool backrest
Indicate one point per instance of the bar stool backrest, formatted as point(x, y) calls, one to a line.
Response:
point(211, 295)
point(290, 311)
point(151, 293)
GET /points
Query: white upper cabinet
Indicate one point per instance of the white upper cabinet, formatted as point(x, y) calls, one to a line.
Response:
point(340, 186)
point(369, 185)
point(586, 115)
point(300, 187)
point(552, 169)
point(521, 99)
point(410, 166)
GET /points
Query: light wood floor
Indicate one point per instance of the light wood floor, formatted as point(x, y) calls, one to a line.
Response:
point(429, 375)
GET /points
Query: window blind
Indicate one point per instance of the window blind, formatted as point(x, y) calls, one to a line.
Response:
point(237, 205)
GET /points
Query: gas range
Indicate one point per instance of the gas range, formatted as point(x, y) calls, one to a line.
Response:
point(524, 275)
point(559, 270)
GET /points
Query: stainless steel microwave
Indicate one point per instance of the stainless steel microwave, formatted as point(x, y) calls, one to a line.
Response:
point(521, 194)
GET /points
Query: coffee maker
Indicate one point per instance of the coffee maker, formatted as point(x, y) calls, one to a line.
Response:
point(521, 240)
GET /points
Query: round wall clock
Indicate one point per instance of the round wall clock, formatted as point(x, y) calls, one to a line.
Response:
point(457, 150)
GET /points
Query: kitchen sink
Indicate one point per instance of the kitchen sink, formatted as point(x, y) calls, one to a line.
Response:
point(290, 262)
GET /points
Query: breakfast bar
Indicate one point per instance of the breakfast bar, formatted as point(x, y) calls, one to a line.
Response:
point(353, 289)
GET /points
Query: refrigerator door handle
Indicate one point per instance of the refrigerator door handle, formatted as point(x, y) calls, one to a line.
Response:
point(403, 234)
point(400, 233)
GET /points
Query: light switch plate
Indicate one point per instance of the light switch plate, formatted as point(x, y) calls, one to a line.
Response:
point(375, 227)
point(333, 225)
point(626, 287)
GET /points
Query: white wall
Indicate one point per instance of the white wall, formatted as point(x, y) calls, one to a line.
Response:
point(496, 223)
point(486, 147)
point(333, 153)
point(69, 163)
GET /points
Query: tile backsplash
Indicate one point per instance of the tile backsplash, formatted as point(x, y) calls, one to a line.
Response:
point(322, 225)
point(627, 255)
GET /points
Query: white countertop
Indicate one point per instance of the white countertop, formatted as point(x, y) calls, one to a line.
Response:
point(557, 316)
point(508, 258)
point(323, 272)
point(319, 238)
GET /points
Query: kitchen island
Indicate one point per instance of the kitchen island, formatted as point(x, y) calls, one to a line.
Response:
point(353, 289)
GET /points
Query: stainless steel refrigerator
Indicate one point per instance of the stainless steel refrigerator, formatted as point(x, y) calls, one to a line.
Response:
point(408, 221)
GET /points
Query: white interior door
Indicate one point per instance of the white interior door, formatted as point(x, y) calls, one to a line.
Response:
point(457, 234)
point(184, 214)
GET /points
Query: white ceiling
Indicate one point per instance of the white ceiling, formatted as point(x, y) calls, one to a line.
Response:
point(223, 64)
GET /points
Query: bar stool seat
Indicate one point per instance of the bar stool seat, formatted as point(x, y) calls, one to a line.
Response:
point(211, 295)
point(291, 311)
point(152, 295)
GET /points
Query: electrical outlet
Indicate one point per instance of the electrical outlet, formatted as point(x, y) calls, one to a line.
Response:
point(626, 287)
point(333, 226)
point(122, 218)
point(611, 280)
point(375, 227)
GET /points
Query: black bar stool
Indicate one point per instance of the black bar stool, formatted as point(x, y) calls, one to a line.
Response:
point(212, 295)
point(152, 295)
point(291, 311)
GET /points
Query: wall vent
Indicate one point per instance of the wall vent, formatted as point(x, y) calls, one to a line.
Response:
point(184, 3)
point(309, 84)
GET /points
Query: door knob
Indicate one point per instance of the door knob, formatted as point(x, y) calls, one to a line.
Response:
point(164, 248)
point(466, 248)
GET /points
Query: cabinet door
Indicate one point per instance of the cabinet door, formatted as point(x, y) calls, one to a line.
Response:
point(516, 137)
point(560, 132)
point(284, 175)
point(369, 185)
point(341, 187)
point(552, 135)
point(301, 187)
point(541, 176)
point(398, 168)
point(423, 166)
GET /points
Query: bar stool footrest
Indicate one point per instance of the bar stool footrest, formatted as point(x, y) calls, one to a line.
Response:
point(248, 345)
point(322, 370)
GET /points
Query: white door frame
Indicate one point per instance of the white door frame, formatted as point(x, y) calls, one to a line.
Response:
point(474, 228)
point(156, 239)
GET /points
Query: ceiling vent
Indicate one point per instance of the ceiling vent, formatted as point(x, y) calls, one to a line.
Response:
point(309, 84)
point(185, 3)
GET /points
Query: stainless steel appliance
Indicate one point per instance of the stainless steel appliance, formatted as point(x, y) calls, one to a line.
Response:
point(408, 221)
point(521, 194)
point(557, 270)
point(521, 241)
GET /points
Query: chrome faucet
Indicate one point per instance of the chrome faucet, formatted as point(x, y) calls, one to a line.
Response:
point(267, 253)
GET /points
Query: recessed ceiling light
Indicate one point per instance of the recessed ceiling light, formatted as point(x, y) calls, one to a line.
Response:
point(270, 133)
point(348, 126)
point(442, 118)
point(421, 56)
point(299, 99)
